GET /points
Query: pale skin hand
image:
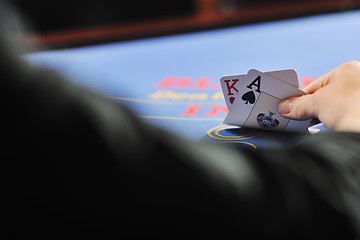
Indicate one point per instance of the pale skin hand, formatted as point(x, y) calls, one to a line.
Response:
point(333, 98)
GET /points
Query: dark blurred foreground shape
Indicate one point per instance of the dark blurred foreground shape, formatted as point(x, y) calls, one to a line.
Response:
point(80, 165)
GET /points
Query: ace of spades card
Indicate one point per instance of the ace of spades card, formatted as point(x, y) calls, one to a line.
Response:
point(242, 96)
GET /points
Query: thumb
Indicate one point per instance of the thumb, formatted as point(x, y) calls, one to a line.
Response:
point(298, 108)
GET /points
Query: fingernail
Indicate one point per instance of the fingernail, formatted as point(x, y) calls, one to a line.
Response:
point(284, 107)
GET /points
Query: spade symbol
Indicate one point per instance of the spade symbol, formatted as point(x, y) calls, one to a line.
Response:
point(249, 97)
point(231, 99)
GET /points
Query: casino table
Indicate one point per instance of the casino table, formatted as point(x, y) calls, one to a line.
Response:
point(173, 81)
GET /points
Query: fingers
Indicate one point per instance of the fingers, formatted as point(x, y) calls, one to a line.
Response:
point(317, 84)
point(298, 108)
point(331, 98)
point(345, 68)
point(303, 107)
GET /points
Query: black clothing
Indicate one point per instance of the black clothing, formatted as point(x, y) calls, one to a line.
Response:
point(77, 164)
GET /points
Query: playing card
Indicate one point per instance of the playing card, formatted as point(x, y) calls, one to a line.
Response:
point(297, 126)
point(229, 87)
point(241, 94)
point(271, 85)
point(264, 115)
point(240, 99)
point(287, 75)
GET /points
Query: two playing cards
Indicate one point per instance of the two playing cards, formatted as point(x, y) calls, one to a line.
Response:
point(252, 99)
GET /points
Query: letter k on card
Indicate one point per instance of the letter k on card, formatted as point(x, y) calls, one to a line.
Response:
point(231, 86)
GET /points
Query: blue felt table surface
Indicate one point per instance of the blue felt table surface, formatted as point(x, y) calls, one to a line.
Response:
point(173, 81)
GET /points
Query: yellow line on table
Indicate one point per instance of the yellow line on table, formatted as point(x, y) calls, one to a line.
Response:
point(168, 102)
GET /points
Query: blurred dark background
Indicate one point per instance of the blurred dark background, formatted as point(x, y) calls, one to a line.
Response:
point(48, 16)
point(70, 14)
point(70, 23)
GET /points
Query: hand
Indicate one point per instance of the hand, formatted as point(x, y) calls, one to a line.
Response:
point(333, 98)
